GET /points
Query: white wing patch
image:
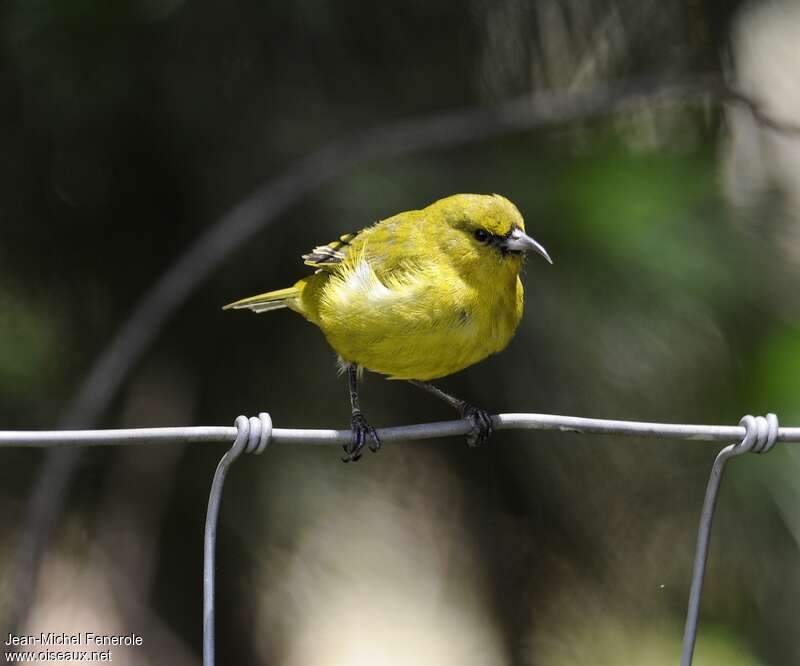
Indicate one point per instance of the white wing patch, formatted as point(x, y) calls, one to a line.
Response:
point(359, 288)
point(362, 282)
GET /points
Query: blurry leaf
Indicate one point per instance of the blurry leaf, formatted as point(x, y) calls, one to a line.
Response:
point(645, 214)
point(27, 346)
point(776, 376)
point(589, 632)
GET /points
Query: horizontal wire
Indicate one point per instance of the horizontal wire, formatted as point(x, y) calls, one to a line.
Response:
point(200, 434)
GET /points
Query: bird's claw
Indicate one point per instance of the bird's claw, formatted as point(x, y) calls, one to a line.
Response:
point(481, 422)
point(361, 431)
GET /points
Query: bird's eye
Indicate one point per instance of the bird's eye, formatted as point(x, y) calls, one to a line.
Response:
point(481, 235)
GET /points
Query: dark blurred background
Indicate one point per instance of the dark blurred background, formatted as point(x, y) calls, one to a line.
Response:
point(129, 128)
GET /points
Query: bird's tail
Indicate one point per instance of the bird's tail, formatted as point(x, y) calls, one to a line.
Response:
point(271, 300)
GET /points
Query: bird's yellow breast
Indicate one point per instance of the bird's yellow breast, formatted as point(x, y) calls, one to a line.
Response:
point(426, 320)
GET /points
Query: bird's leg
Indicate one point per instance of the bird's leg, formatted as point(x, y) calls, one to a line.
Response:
point(361, 430)
point(479, 419)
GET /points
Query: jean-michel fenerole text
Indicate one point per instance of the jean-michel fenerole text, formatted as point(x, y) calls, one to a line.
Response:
point(79, 638)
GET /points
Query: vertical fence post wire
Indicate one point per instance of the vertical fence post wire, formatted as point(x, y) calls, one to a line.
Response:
point(252, 436)
point(760, 436)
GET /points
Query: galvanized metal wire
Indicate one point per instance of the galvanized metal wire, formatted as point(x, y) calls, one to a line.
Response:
point(252, 435)
point(760, 436)
point(209, 434)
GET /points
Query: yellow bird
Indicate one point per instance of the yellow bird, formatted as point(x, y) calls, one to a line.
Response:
point(417, 296)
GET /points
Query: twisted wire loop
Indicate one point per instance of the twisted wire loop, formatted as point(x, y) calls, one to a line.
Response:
point(252, 436)
point(761, 433)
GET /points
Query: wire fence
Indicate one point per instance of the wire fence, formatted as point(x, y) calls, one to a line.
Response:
point(254, 434)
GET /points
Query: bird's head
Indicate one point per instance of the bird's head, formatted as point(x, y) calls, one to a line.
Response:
point(483, 228)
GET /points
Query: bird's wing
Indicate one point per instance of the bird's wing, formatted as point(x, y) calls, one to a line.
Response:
point(327, 256)
point(391, 247)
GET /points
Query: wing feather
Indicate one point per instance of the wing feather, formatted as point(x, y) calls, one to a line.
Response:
point(331, 254)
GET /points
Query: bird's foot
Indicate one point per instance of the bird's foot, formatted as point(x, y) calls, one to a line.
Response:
point(361, 432)
point(481, 422)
